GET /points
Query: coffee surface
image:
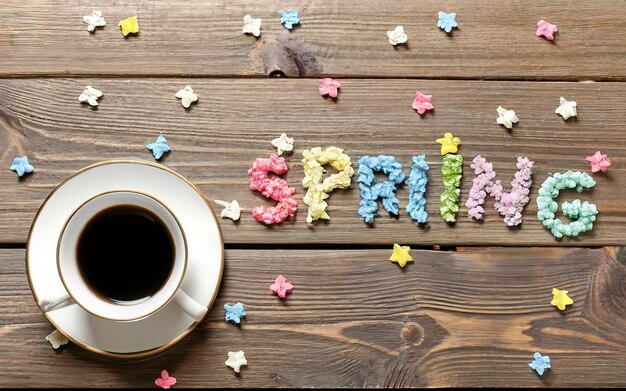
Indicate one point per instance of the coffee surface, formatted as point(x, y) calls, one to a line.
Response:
point(125, 253)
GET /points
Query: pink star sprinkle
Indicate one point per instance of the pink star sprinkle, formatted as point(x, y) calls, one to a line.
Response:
point(599, 162)
point(329, 87)
point(281, 287)
point(546, 29)
point(165, 381)
point(421, 103)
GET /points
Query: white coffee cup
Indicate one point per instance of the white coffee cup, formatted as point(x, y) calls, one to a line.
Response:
point(78, 291)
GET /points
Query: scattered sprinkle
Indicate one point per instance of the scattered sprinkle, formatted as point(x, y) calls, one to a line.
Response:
point(236, 360)
point(281, 287)
point(545, 29)
point(418, 179)
point(275, 188)
point(90, 95)
point(318, 187)
point(251, 26)
point(401, 255)
point(235, 312)
point(94, 20)
point(560, 299)
point(231, 209)
point(566, 109)
point(449, 143)
point(506, 117)
point(21, 166)
point(397, 36)
point(187, 96)
point(289, 18)
point(129, 25)
point(329, 87)
point(159, 147)
point(283, 144)
point(510, 205)
point(540, 363)
point(582, 214)
point(370, 191)
point(421, 103)
point(57, 339)
point(165, 381)
point(447, 21)
point(599, 162)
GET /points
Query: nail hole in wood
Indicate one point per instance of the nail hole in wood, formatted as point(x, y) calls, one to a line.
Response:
point(277, 73)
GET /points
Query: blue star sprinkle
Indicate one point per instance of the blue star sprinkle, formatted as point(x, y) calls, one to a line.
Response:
point(289, 18)
point(540, 363)
point(21, 166)
point(159, 147)
point(447, 21)
point(234, 313)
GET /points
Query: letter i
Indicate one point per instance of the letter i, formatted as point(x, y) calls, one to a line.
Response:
point(452, 171)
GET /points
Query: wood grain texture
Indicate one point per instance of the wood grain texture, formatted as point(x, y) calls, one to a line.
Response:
point(468, 319)
point(216, 141)
point(495, 39)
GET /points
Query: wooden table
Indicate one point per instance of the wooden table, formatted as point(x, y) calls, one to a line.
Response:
point(473, 307)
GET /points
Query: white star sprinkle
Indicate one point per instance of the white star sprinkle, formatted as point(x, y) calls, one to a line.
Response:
point(236, 360)
point(187, 96)
point(57, 339)
point(94, 20)
point(90, 95)
point(283, 144)
point(397, 36)
point(567, 108)
point(231, 209)
point(251, 26)
point(506, 117)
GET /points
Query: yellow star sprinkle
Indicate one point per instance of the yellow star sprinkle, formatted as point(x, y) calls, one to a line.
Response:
point(401, 255)
point(449, 143)
point(560, 299)
point(129, 25)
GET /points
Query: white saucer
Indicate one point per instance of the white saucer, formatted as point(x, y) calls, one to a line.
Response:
point(205, 257)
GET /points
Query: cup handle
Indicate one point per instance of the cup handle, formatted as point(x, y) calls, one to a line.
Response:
point(190, 306)
point(59, 302)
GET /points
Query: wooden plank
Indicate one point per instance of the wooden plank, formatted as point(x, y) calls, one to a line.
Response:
point(216, 141)
point(467, 319)
point(495, 39)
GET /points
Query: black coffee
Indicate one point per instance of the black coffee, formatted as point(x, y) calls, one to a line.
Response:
point(125, 253)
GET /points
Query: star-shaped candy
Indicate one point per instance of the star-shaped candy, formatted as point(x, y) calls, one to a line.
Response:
point(165, 381)
point(21, 166)
point(236, 360)
point(159, 147)
point(187, 96)
point(506, 117)
point(289, 18)
point(94, 20)
point(129, 25)
point(421, 103)
point(540, 363)
point(235, 312)
point(231, 209)
point(283, 144)
point(447, 21)
point(567, 108)
point(546, 29)
point(57, 339)
point(397, 36)
point(401, 255)
point(251, 26)
point(599, 162)
point(90, 95)
point(449, 143)
point(281, 287)
point(560, 299)
point(329, 87)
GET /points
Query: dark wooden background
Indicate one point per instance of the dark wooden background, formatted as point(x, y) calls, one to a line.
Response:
point(471, 315)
